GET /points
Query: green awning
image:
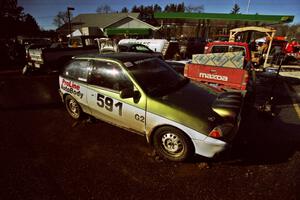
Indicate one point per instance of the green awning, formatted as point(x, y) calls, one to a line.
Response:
point(128, 31)
point(222, 16)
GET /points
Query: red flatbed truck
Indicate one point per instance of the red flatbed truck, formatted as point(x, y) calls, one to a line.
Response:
point(233, 76)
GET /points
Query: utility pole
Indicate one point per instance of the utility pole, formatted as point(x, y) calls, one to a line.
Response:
point(248, 6)
point(70, 27)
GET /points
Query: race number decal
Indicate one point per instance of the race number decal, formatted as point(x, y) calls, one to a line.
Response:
point(109, 104)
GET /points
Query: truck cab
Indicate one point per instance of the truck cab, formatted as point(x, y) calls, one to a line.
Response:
point(222, 47)
point(52, 57)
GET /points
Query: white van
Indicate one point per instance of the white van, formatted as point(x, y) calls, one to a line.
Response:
point(167, 48)
point(156, 45)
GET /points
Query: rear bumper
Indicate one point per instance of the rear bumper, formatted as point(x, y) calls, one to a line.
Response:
point(209, 146)
point(35, 65)
point(61, 95)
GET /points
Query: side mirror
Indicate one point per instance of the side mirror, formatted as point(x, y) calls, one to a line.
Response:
point(127, 93)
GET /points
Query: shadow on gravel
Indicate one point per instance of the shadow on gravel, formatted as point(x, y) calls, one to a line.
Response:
point(32, 107)
point(36, 92)
point(263, 139)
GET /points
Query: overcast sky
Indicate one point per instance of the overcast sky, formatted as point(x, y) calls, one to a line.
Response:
point(45, 10)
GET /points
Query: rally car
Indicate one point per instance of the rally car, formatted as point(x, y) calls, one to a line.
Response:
point(143, 94)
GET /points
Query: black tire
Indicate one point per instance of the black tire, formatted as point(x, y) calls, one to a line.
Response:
point(73, 107)
point(172, 144)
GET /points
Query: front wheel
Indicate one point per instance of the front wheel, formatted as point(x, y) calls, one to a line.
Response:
point(173, 144)
point(73, 107)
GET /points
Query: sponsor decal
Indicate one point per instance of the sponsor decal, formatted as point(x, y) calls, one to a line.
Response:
point(213, 76)
point(71, 88)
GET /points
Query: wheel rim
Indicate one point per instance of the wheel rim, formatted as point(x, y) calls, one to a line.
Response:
point(73, 108)
point(172, 144)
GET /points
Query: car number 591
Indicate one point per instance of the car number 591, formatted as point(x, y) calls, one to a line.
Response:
point(108, 103)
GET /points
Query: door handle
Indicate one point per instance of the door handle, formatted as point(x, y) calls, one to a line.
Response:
point(92, 95)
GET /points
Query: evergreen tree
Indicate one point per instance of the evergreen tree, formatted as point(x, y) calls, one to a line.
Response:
point(30, 26)
point(157, 8)
point(135, 9)
point(235, 9)
point(124, 10)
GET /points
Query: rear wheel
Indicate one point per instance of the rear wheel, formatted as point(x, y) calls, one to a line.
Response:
point(73, 107)
point(173, 144)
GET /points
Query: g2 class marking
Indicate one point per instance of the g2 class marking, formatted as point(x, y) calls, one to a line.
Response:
point(139, 118)
point(108, 103)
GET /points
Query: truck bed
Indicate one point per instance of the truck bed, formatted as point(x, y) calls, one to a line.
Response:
point(223, 70)
point(222, 77)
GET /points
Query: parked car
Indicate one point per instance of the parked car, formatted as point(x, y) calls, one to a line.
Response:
point(143, 94)
point(52, 58)
point(168, 49)
point(133, 47)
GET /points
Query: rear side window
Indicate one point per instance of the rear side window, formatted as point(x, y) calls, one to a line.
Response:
point(224, 49)
point(219, 49)
point(141, 48)
point(77, 70)
point(109, 75)
point(235, 49)
point(122, 48)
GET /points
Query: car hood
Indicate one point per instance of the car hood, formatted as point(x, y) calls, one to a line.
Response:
point(191, 105)
point(197, 106)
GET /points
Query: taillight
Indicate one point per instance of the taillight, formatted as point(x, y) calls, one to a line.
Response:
point(186, 68)
point(221, 130)
point(216, 133)
point(245, 79)
point(205, 49)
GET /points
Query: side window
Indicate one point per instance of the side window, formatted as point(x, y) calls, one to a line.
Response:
point(133, 49)
point(77, 70)
point(122, 48)
point(109, 75)
point(141, 48)
point(219, 49)
point(234, 49)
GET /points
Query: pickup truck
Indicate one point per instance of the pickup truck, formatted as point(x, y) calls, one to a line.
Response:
point(52, 58)
point(225, 65)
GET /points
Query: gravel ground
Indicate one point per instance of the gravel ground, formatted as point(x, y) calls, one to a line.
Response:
point(44, 154)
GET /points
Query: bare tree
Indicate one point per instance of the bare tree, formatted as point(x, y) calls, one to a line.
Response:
point(104, 8)
point(61, 18)
point(194, 9)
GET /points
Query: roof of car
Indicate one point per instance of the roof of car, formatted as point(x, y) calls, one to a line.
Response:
point(131, 44)
point(227, 43)
point(121, 56)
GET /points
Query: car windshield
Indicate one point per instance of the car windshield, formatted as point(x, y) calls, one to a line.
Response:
point(155, 76)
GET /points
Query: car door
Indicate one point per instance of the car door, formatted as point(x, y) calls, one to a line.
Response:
point(73, 81)
point(106, 81)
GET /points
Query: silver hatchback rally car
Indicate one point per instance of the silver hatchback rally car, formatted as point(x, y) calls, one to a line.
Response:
point(143, 94)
